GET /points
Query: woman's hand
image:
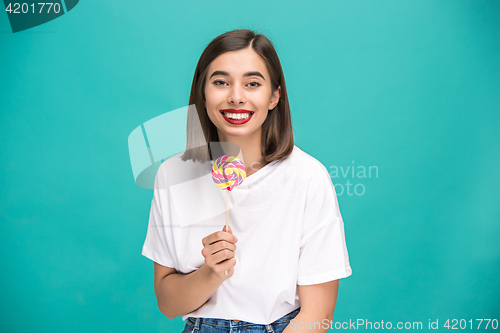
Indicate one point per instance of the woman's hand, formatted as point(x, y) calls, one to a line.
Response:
point(218, 250)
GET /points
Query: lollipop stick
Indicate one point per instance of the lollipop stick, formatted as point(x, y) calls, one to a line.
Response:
point(227, 215)
point(227, 211)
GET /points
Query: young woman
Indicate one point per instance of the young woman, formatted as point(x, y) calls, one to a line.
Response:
point(285, 250)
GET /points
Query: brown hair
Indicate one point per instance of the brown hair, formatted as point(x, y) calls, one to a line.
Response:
point(277, 132)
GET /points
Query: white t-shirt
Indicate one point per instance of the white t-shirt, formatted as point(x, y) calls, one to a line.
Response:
point(287, 221)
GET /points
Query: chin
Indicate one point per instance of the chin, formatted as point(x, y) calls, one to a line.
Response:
point(237, 132)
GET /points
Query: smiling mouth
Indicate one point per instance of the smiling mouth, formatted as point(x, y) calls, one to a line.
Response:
point(237, 116)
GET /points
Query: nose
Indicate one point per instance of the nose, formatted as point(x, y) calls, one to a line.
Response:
point(236, 95)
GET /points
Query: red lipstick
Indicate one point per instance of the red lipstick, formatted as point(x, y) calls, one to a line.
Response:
point(236, 112)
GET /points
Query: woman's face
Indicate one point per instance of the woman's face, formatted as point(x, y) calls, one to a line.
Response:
point(238, 86)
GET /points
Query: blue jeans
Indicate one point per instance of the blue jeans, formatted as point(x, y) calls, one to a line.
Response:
point(216, 325)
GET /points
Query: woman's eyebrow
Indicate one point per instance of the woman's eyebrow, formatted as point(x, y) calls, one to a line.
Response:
point(246, 74)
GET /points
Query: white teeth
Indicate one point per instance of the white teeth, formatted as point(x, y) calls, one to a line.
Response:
point(237, 116)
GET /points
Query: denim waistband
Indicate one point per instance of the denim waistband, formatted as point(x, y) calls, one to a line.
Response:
point(232, 323)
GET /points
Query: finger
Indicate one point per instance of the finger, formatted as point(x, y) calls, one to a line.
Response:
point(227, 265)
point(230, 231)
point(223, 255)
point(223, 244)
point(215, 237)
point(230, 236)
point(218, 236)
point(227, 236)
point(215, 248)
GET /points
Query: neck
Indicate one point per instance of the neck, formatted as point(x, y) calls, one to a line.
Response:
point(250, 152)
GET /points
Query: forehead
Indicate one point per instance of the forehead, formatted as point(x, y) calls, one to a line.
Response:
point(238, 62)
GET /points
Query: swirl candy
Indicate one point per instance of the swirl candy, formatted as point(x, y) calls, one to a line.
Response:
point(228, 172)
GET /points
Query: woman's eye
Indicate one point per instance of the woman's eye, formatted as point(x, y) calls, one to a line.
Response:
point(256, 84)
point(216, 82)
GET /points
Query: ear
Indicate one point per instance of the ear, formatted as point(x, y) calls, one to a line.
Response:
point(275, 99)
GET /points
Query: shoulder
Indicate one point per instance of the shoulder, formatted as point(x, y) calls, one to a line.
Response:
point(306, 165)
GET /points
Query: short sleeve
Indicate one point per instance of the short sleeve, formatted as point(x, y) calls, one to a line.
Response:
point(156, 246)
point(323, 251)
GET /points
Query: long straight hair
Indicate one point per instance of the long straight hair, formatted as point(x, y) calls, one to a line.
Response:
point(277, 133)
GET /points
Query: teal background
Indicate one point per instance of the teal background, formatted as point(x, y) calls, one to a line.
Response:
point(411, 87)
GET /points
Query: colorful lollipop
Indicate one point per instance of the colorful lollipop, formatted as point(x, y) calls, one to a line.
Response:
point(227, 172)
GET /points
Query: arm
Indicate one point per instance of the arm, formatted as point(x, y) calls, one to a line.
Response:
point(317, 304)
point(178, 294)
